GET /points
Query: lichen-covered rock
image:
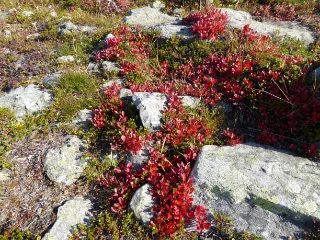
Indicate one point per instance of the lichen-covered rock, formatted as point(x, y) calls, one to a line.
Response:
point(176, 29)
point(188, 101)
point(65, 59)
point(109, 66)
point(73, 212)
point(52, 80)
point(272, 193)
point(141, 205)
point(237, 19)
point(150, 106)
point(4, 175)
point(153, 18)
point(157, 5)
point(26, 100)
point(147, 17)
point(67, 28)
point(83, 119)
point(66, 164)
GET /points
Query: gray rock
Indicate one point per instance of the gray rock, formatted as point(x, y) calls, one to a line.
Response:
point(157, 5)
point(83, 119)
point(33, 36)
point(147, 17)
point(66, 164)
point(116, 80)
point(176, 29)
point(150, 106)
point(109, 66)
point(138, 159)
point(65, 59)
point(237, 19)
point(141, 205)
point(188, 101)
point(109, 36)
point(88, 29)
point(27, 13)
point(73, 212)
point(26, 100)
point(67, 28)
point(265, 190)
point(178, 12)
point(4, 16)
point(93, 67)
point(52, 80)
point(4, 175)
point(126, 94)
point(7, 33)
point(313, 79)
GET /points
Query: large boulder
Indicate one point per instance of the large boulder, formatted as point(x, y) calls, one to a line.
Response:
point(237, 19)
point(26, 100)
point(150, 106)
point(73, 212)
point(267, 191)
point(66, 164)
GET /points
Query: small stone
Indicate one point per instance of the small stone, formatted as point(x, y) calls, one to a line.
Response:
point(4, 175)
point(67, 28)
point(83, 119)
point(109, 36)
point(126, 94)
point(110, 66)
point(88, 29)
point(52, 80)
point(157, 5)
point(93, 67)
point(33, 36)
point(188, 101)
point(71, 213)
point(116, 80)
point(150, 106)
point(53, 14)
point(138, 159)
point(65, 59)
point(7, 33)
point(141, 205)
point(27, 13)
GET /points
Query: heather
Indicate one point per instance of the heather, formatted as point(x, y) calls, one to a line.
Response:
point(267, 82)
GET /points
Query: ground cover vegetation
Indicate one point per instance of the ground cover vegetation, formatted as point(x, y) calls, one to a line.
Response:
point(264, 79)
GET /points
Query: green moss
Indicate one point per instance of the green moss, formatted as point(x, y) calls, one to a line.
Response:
point(76, 91)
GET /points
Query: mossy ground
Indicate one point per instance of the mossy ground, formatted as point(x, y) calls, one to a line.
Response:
point(27, 201)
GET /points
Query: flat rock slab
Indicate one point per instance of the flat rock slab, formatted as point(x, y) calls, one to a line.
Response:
point(66, 164)
point(73, 212)
point(272, 193)
point(150, 106)
point(237, 19)
point(153, 18)
point(26, 100)
point(148, 17)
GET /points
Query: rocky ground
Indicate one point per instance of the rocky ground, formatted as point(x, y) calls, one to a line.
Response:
point(52, 155)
